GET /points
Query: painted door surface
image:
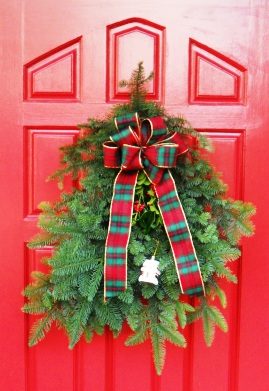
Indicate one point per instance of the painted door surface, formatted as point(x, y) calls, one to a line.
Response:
point(61, 63)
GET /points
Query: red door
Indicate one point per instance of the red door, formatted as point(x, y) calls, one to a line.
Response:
point(61, 63)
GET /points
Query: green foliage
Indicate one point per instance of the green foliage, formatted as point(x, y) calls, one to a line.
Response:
point(40, 328)
point(146, 211)
point(157, 322)
point(71, 292)
point(76, 322)
point(181, 310)
point(211, 317)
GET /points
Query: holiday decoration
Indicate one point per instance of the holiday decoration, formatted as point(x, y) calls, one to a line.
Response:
point(150, 271)
point(146, 146)
point(144, 184)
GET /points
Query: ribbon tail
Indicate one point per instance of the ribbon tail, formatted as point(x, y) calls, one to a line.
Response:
point(178, 232)
point(119, 229)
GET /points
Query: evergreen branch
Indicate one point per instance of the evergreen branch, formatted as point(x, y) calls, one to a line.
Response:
point(88, 334)
point(88, 284)
point(138, 337)
point(34, 307)
point(181, 309)
point(223, 271)
point(75, 325)
point(40, 328)
point(221, 295)
point(217, 317)
point(159, 350)
point(108, 313)
point(208, 328)
point(173, 336)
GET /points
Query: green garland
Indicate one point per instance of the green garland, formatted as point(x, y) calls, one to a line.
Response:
point(71, 293)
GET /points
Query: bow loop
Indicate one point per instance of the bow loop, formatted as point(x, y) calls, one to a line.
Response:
point(146, 131)
point(131, 157)
point(112, 155)
point(126, 136)
point(130, 121)
point(162, 155)
point(159, 129)
point(175, 138)
point(127, 120)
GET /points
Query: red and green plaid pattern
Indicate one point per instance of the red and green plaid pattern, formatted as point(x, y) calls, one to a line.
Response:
point(124, 121)
point(118, 233)
point(149, 147)
point(179, 235)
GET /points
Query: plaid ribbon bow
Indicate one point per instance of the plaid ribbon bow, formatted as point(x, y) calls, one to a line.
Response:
point(147, 146)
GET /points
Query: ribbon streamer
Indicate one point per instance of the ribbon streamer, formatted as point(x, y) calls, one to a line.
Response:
point(146, 146)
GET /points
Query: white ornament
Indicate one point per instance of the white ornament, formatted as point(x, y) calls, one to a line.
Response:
point(150, 271)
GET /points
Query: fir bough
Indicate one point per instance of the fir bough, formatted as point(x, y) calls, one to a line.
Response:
point(71, 293)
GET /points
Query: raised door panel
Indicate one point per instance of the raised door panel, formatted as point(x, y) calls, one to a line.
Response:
point(129, 42)
point(48, 365)
point(42, 158)
point(228, 159)
point(55, 75)
point(213, 77)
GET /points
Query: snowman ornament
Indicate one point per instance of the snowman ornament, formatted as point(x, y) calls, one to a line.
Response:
point(150, 271)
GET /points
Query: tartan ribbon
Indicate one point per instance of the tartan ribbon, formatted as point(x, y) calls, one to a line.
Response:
point(146, 145)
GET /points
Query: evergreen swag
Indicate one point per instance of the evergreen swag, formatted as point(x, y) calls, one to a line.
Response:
point(71, 293)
